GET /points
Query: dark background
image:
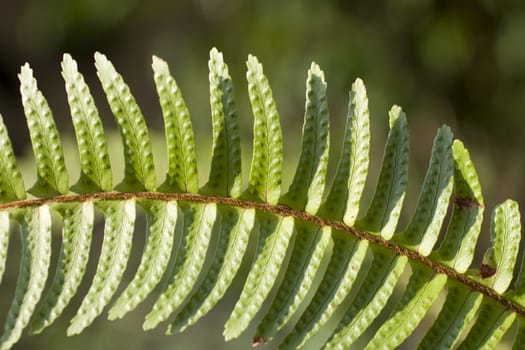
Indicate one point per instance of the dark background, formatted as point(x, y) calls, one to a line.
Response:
point(460, 63)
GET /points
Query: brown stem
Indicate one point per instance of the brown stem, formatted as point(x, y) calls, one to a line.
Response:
point(281, 211)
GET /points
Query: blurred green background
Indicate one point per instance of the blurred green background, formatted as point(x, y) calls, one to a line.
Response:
point(460, 63)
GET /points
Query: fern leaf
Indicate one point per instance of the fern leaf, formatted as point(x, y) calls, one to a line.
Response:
point(423, 230)
point(383, 214)
point(274, 238)
point(161, 218)
point(307, 188)
point(182, 162)
point(138, 154)
point(308, 257)
point(310, 252)
point(11, 182)
point(350, 178)
point(346, 262)
point(118, 232)
point(52, 177)
point(370, 299)
point(225, 175)
point(233, 241)
point(4, 240)
point(76, 242)
point(198, 224)
point(266, 167)
point(360, 148)
point(95, 172)
point(36, 254)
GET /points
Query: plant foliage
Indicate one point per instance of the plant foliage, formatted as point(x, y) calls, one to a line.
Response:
point(313, 240)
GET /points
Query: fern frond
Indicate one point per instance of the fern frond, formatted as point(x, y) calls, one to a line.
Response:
point(161, 217)
point(198, 224)
point(36, 256)
point(319, 261)
point(182, 162)
point(139, 173)
point(74, 255)
point(52, 177)
point(96, 172)
point(236, 226)
point(118, 232)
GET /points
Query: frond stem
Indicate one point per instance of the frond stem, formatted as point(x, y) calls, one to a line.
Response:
point(280, 210)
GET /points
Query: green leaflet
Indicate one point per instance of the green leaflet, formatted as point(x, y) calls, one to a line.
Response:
point(383, 214)
point(274, 237)
point(491, 325)
point(11, 183)
point(161, 219)
point(360, 156)
point(138, 154)
point(198, 224)
point(422, 290)
point(225, 175)
point(345, 264)
point(118, 232)
point(457, 248)
point(370, 299)
point(233, 240)
point(307, 188)
point(266, 168)
point(457, 312)
point(4, 240)
point(178, 247)
point(36, 254)
point(505, 235)
point(74, 254)
point(182, 162)
point(309, 257)
point(52, 178)
point(95, 169)
point(347, 187)
point(423, 230)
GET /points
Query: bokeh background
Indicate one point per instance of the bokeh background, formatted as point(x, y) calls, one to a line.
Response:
point(460, 63)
